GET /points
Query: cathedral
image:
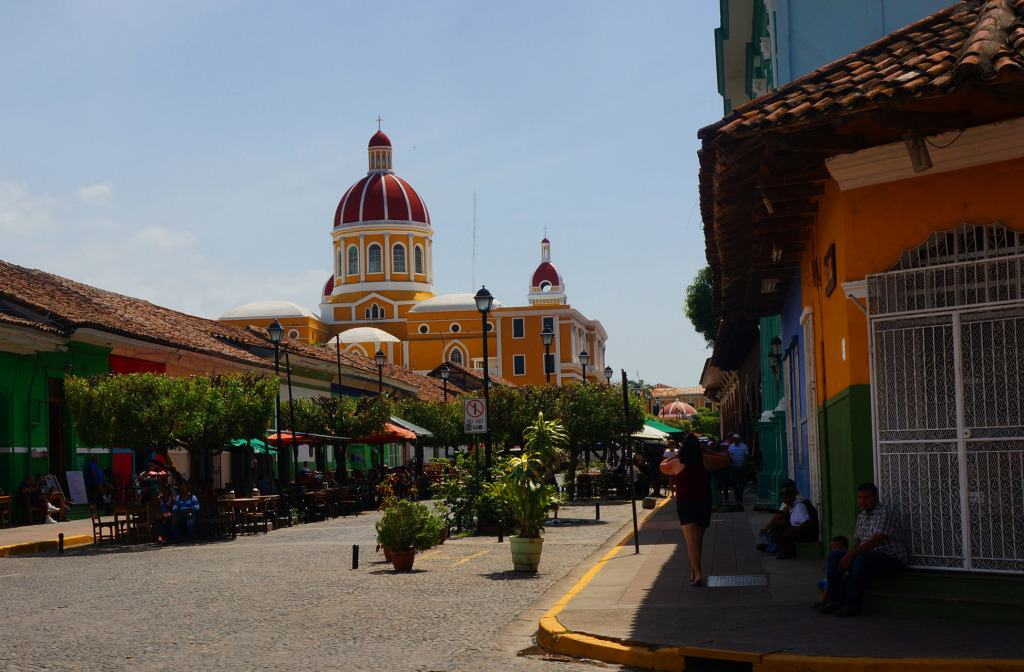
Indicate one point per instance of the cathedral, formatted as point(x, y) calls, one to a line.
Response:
point(381, 297)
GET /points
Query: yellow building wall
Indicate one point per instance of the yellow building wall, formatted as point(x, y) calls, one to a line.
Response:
point(872, 226)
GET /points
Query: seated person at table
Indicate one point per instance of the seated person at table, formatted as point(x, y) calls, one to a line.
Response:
point(305, 467)
point(165, 514)
point(266, 486)
point(44, 487)
point(35, 500)
point(207, 497)
point(186, 509)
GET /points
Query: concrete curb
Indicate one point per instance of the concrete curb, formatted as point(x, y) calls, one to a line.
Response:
point(554, 637)
point(44, 546)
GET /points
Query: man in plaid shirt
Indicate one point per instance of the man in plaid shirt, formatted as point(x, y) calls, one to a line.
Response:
point(878, 550)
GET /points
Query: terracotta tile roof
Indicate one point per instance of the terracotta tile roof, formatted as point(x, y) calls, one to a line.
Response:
point(969, 43)
point(664, 391)
point(478, 376)
point(762, 167)
point(52, 303)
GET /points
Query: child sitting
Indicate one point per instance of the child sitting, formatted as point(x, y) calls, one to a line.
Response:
point(838, 543)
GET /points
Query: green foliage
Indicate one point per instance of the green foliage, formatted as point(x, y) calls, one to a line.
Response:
point(371, 416)
point(706, 422)
point(698, 306)
point(444, 420)
point(465, 496)
point(408, 526)
point(546, 441)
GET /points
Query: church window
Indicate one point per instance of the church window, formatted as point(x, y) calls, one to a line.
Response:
point(353, 260)
point(455, 355)
point(456, 327)
point(545, 286)
point(398, 258)
point(490, 327)
point(518, 327)
point(293, 333)
point(424, 329)
point(548, 324)
point(549, 364)
point(419, 259)
point(374, 259)
point(366, 313)
point(339, 262)
point(519, 365)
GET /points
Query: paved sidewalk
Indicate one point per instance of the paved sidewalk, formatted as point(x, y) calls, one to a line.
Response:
point(42, 538)
point(640, 610)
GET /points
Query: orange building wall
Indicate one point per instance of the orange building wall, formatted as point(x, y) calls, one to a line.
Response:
point(871, 226)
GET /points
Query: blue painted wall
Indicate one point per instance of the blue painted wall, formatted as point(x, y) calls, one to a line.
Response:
point(793, 350)
point(812, 33)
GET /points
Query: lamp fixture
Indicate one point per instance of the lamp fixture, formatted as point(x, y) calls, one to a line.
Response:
point(608, 374)
point(276, 332)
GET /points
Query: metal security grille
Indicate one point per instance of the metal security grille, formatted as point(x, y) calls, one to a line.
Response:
point(948, 395)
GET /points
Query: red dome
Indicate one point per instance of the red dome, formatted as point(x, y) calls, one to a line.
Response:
point(546, 271)
point(379, 140)
point(381, 196)
point(329, 286)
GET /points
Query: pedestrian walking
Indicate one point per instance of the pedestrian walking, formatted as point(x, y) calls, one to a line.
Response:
point(692, 482)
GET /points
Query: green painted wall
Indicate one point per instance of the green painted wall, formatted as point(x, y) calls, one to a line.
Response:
point(847, 457)
point(771, 428)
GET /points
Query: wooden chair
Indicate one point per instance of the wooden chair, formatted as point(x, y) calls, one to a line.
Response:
point(31, 512)
point(256, 517)
point(144, 523)
point(98, 526)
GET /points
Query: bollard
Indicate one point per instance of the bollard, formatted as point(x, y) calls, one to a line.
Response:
point(597, 511)
point(355, 556)
point(501, 531)
point(60, 544)
point(458, 523)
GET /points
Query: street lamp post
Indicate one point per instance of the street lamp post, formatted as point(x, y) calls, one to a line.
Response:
point(291, 412)
point(380, 358)
point(276, 332)
point(608, 374)
point(445, 372)
point(546, 337)
point(484, 301)
point(584, 360)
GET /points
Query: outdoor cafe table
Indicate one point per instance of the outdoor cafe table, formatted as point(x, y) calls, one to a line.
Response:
point(238, 507)
point(128, 518)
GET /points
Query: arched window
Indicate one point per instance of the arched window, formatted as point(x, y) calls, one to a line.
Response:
point(419, 259)
point(398, 258)
point(455, 355)
point(366, 313)
point(339, 262)
point(374, 259)
point(353, 260)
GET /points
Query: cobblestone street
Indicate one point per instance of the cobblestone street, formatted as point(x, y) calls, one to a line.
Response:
point(290, 601)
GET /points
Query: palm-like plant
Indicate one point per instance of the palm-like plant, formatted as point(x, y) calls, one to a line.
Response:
point(527, 500)
point(545, 445)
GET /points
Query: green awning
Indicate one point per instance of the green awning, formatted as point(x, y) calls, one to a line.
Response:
point(258, 447)
point(675, 433)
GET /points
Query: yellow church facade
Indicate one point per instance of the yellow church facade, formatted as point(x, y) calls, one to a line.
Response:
point(381, 296)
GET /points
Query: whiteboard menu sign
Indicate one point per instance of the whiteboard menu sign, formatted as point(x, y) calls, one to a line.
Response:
point(76, 487)
point(474, 415)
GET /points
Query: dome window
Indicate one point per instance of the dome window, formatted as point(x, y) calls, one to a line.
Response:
point(398, 258)
point(374, 259)
point(353, 260)
point(419, 259)
point(424, 329)
point(545, 286)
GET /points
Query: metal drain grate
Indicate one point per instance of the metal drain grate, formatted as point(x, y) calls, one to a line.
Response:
point(737, 580)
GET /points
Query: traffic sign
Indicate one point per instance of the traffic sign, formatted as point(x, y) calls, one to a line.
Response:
point(474, 416)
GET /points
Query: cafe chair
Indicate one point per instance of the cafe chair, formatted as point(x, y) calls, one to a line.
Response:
point(98, 527)
point(32, 512)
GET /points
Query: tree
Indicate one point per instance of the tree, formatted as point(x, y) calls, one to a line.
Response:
point(706, 422)
point(698, 306)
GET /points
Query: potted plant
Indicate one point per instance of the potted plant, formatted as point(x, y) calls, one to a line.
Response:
point(407, 527)
point(526, 498)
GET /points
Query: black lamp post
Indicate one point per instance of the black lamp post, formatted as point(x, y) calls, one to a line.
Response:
point(445, 372)
point(380, 358)
point(291, 413)
point(608, 374)
point(276, 334)
point(484, 301)
point(546, 337)
point(584, 360)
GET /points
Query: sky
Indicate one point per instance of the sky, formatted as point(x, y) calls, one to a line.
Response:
point(193, 154)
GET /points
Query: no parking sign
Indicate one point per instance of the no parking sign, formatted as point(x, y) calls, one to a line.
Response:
point(474, 416)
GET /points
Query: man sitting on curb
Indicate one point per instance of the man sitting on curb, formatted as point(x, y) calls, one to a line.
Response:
point(878, 550)
point(768, 546)
point(798, 523)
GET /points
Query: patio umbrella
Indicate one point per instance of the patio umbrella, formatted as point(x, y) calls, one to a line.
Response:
point(363, 335)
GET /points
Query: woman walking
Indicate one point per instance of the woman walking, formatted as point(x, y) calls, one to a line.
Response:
point(692, 482)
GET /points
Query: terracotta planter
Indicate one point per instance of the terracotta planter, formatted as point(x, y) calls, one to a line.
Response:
point(387, 553)
point(402, 560)
point(526, 553)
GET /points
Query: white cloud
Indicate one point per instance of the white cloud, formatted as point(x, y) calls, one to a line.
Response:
point(23, 214)
point(97, 194)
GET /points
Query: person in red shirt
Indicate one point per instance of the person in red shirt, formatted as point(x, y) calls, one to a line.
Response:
point(692, 483)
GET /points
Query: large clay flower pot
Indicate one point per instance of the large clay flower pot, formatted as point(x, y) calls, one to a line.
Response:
point(526, 553)
point(387, 553)
point(402, 560)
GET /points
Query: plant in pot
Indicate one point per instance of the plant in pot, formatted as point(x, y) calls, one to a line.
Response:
point(407, 527)
point(525, 497)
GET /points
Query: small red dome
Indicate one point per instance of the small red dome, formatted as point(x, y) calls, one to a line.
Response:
point(379, 140)
point(546, 241)
point(546, 272)
point(381, 196)
point(329, 286)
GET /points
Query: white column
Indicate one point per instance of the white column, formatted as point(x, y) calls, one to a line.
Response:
point(387, 256)
point(362, 257)
point(410, 260)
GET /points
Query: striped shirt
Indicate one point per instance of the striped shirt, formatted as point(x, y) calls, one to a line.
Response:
point(882, 520)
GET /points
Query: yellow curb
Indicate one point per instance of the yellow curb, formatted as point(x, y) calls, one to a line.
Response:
point(43, 546)
point(790, 663)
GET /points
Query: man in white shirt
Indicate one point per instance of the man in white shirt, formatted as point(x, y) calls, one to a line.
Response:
point(799, 522)
point(738, 451)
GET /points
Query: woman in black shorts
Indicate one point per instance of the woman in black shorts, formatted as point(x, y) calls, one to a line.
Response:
point(692, 482)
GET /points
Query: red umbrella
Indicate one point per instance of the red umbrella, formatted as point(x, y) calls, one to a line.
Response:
point(286, 439)
point(391, 434)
